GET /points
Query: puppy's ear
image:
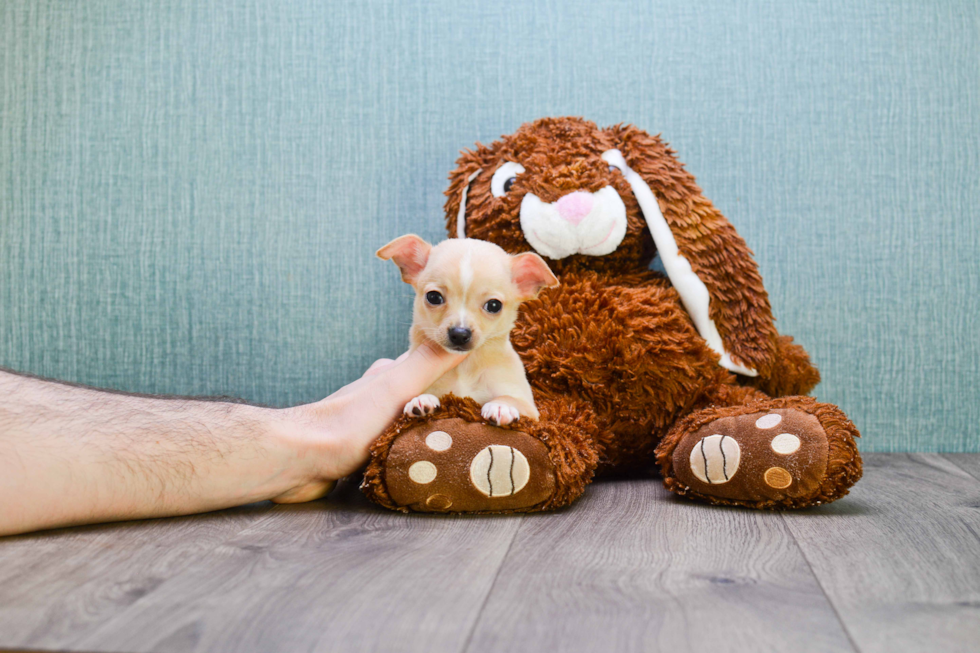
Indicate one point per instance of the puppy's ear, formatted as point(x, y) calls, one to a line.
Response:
point(707, 244)
point(530, 274)
point(410, 253)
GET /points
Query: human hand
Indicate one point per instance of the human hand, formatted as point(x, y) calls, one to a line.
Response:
point(332, 436)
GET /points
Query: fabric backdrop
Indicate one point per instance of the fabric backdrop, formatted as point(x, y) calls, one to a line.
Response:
point(191, 191)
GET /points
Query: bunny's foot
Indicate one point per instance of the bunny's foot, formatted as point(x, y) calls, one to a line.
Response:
point(791, 452)
point(457, 460)
point(451, 465)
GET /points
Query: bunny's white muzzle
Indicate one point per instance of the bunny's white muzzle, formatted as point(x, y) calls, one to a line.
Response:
point(578, 223)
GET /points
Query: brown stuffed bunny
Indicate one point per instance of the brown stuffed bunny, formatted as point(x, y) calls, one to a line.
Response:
point(627, 365)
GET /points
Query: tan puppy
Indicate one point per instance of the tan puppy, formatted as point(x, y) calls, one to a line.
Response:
point(466, 297)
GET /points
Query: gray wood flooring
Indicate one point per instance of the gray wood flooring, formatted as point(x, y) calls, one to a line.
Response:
point(895, 566)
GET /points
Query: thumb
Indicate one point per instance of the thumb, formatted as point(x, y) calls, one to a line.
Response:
point(410, 376)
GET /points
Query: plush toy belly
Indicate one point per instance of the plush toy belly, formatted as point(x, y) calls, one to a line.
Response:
point(625, 346)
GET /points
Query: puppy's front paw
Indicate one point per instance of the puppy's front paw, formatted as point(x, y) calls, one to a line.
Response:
point(422, 405)
point(499, 413)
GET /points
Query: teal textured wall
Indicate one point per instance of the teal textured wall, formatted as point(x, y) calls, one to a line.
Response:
point(191, 191)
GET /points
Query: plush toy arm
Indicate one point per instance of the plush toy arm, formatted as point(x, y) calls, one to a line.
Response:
point(707, 261)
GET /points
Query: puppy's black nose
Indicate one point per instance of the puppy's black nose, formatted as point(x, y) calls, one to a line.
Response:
point(459, 336)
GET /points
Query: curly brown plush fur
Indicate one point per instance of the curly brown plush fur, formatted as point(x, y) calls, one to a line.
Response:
point(616, 364)
point(565, 155)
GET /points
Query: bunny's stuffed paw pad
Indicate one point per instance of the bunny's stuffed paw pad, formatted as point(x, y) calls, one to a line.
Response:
point(452, 465)
point(756, 459)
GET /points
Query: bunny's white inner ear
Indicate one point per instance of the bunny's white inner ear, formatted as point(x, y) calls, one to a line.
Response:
point(461, 216)
point(694, 294)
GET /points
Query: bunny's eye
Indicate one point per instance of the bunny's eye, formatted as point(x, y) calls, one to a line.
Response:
point(493, 306)
point(504, 178)
point(434, 298)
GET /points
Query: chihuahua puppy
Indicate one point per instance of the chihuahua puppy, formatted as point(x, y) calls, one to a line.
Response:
point(466, 297)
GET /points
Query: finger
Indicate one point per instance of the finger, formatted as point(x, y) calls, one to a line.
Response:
point(392, 386)
point(309, 492)
point(353, 386)
point(417, 371)
point(378, 366)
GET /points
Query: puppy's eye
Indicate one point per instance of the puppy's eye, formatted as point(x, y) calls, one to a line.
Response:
point(504, 178)
point(434, 297)
point(493, 306)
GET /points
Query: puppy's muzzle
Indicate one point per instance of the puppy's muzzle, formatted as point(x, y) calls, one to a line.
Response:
point(460, 337)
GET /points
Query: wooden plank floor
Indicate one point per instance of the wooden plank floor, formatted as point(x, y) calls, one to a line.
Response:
point(895, 566)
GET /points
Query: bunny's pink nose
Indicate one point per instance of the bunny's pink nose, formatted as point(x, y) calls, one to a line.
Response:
point(575, 206)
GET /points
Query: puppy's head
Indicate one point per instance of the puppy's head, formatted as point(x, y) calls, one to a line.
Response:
point(466, 291)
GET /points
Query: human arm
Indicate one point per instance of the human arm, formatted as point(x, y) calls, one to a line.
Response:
point(73, 455)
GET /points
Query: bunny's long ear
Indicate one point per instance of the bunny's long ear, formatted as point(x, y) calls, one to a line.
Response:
point(708, 263)
point(468, 166)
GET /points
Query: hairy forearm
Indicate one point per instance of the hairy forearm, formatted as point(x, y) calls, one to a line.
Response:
point(71, 455)
point(75, 455)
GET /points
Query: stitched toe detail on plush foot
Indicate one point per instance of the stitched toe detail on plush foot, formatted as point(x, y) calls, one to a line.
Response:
point(452, 465)
point(756, 458)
